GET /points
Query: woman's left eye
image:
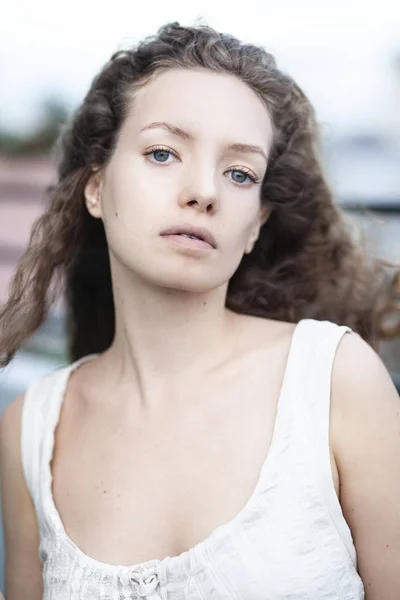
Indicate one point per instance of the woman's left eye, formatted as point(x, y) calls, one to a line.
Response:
point(240, 176)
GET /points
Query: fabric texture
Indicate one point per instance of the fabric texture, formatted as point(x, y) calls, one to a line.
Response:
point(289, 542)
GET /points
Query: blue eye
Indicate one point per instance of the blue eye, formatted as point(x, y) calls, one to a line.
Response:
point(239, 176)
point(161, 155)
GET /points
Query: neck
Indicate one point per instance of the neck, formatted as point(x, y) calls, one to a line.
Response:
point(163, 335)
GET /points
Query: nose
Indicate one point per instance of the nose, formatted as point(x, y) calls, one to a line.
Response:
point(200, 191)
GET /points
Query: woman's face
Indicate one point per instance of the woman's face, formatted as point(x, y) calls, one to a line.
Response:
point(191, 154)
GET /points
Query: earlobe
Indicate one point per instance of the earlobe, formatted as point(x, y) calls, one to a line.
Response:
point(92, 194)
point(265, 213)
point(263, 218)
point(251, 242)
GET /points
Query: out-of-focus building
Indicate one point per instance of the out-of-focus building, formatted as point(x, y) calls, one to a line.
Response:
point(364, 172)
point(23, 181)
point(22, 184)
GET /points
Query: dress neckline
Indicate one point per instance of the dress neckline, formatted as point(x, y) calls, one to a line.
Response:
point(194, 558)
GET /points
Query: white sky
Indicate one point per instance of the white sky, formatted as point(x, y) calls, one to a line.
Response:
point(340, 52)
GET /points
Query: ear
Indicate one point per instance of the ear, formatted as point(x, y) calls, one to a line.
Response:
point(263, 217)
point(265, 213)
point(92, 192)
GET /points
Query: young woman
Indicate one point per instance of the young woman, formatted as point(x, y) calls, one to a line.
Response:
point(226, 428)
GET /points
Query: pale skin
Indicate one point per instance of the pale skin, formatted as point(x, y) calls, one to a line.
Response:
point(144, 428)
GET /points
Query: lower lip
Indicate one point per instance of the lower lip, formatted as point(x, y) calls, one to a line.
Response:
point(186, 242)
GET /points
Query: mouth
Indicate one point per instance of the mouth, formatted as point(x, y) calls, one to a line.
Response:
point(194, 237)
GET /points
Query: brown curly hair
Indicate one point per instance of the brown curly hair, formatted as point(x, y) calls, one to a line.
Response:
point(306, 262)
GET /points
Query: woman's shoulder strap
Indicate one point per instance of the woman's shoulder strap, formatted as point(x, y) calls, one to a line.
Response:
point(323, 343)
point(42, 399)
point(311, 356)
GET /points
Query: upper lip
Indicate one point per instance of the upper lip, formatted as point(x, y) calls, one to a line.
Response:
point(199, 232)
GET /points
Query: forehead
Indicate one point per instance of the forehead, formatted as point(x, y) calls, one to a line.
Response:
point(211, 105)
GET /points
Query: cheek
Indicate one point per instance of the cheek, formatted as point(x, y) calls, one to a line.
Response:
point(129, 193)
point(242, 224)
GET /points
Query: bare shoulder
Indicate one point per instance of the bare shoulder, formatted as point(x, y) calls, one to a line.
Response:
point(21, 534)
point(361, 385)
point(11, 471)
point(365, 433)
point(265, 334)
point(10, 428)
point(365, 405)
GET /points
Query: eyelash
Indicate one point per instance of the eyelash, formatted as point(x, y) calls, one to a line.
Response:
point(243, 170)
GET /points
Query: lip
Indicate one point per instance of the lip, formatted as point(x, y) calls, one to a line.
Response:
point(199, 232)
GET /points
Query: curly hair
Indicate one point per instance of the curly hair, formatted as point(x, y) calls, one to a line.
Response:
point(306, 262)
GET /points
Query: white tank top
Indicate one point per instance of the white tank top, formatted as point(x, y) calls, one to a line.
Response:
point(289, 542)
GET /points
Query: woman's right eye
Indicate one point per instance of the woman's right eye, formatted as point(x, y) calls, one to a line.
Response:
point(160, 155)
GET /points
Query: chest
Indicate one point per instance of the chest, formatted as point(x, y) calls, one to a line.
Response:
point(133, 489)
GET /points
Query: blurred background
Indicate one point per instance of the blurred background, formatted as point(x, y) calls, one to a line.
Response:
point(345, 55)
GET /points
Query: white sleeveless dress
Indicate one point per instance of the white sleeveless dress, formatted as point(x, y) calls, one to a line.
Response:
point(289, 542)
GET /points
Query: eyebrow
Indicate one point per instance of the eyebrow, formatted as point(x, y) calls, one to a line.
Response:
point(237, 147)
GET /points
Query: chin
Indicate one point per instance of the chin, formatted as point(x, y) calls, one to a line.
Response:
point(192, 283)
